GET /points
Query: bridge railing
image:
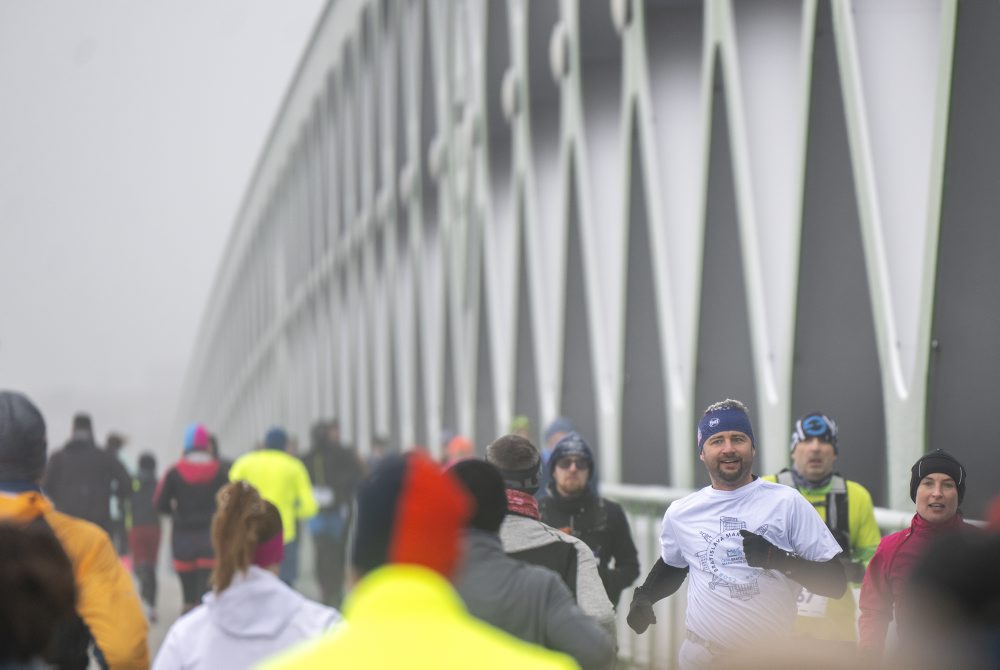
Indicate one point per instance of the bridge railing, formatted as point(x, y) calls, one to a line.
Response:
point(644, 506)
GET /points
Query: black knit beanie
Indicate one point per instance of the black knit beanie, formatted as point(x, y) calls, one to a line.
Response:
point(22, 439)
point(937, 461)
point(485, 483)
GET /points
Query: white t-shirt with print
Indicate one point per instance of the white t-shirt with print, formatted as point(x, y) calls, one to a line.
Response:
point(730, 603)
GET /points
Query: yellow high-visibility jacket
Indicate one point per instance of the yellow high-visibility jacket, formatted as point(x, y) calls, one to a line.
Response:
point(281, 479)
point(407, 616)
point(839, 620)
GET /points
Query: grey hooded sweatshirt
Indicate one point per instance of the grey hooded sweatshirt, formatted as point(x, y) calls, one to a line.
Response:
point(521, 534)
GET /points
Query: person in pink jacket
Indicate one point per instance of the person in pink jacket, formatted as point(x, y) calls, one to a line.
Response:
point(937, 486)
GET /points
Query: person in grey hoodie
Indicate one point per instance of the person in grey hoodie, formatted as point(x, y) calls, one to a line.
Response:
point(526, 538)
point(250, 613)
point(528, 601)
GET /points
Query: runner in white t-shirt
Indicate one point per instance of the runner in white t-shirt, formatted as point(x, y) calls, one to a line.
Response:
point(749, 546)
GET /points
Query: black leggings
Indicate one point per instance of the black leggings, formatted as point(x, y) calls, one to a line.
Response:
point(194, 584)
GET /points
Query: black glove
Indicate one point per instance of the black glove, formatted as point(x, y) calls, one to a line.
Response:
point(855, 571)
point(640, 612)
point(762, 554)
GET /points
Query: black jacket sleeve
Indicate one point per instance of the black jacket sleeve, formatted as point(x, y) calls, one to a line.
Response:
point(663, 580)
point(624, 553)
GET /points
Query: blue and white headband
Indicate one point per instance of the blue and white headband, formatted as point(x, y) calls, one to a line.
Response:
point(720, 420)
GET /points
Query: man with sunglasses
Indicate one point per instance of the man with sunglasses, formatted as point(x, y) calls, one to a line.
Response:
point(574, 507)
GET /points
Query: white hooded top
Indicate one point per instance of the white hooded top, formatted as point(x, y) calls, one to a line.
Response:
point(256, 617)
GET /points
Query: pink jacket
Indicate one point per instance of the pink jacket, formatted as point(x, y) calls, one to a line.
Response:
point(884, 591)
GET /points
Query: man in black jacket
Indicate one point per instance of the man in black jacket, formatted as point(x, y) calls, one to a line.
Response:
point(335, 471)
point(573, 506)
point(80, 477)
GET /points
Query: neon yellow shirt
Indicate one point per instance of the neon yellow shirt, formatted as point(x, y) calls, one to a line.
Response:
point(281, 479)
point(839, 620)
point(407, 616)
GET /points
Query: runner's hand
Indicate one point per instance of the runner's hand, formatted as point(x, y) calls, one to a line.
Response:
point(760, 553)
point(640, 612)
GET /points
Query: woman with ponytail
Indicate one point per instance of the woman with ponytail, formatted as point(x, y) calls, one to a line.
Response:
point(250, 613)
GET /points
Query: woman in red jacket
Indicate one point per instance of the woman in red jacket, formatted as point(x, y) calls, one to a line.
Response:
point(937, 486)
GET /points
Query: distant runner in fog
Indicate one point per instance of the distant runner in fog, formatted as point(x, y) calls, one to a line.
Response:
point(81, 477)
point(187, 493)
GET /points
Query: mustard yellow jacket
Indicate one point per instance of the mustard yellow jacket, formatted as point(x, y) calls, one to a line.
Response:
point(406, 616)
point(106, 597)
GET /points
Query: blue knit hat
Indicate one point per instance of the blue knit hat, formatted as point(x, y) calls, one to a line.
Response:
point(560, 424)
point(276, 438)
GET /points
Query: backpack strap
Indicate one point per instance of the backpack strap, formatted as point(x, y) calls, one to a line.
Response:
point(785, 477)
point(837, 518)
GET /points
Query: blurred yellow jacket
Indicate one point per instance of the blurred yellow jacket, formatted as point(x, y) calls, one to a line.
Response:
point(106, 598)
point(283, 480)
point(408, 616)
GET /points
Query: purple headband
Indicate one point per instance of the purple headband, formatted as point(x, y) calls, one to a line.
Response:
point(270, 552)
point(720, 420)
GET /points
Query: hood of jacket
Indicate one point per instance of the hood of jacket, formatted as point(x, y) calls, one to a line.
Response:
point(257, 604)
point(196, 471)
point(572, 444)
point(23, 508)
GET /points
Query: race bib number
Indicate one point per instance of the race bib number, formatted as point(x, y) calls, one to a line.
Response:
point(811, 605)
point(323, 495)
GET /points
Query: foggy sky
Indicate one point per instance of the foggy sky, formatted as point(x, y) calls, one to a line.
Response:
point(128, 134)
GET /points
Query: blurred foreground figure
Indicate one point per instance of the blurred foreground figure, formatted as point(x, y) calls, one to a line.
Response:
point(937, 486)
point(37, 595)
point(748, 545)
point(404, 613)
point(956, 612)
point(525, 600)
point(108, 613)
point(250, 613)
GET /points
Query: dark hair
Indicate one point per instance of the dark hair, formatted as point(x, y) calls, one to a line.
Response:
point(147, 461)
point(39, 593)
point(115, 441)
point(485, 483)
point(82, 421)
point(243, 520)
